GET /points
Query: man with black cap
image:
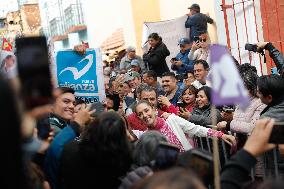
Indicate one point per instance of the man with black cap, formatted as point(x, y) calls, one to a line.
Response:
point(181, 64)
point(197, 22)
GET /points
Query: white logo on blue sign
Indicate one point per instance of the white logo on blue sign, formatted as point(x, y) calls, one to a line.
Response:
point(78, 72)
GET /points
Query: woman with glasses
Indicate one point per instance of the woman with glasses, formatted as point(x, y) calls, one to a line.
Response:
point(200, 49)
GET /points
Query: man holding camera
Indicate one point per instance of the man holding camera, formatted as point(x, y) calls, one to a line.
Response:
point(274, 53)
point(181, 64)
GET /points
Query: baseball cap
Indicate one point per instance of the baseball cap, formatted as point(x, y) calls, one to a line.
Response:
point(194, 6)
point(183, 41)
point(130, 75)
point(130, 49)
point(134, 62)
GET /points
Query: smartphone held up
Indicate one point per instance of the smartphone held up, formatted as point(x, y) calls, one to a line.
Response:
point(277, 134)
point(33, 69)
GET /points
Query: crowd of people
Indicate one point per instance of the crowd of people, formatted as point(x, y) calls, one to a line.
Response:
point(143, 135)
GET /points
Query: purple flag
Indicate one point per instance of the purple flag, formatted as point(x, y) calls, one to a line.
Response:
point(227, 86)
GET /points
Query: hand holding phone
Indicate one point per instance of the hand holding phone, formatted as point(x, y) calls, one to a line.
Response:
point(34, 73)
point(258, 142)
point(184, 113)
point(277, 134)
point(195, 46)
point(163, 100)
point(180, 104)
point(173, 60)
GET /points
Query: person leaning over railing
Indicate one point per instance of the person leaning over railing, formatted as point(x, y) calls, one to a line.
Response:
point(177, 130)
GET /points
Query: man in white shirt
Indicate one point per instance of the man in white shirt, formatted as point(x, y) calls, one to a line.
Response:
point(201, 70)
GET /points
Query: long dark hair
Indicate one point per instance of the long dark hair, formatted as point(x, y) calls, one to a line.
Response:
point(104, 141)
point(250, 80)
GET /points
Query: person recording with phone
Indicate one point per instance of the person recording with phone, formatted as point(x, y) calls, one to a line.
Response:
point(200, 48)
point(181, 64)
point(187, 101)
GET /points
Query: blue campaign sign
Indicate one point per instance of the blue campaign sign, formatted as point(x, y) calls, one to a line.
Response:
point(78, 72)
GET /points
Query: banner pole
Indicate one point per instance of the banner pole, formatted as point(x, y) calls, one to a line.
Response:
point(215, 150)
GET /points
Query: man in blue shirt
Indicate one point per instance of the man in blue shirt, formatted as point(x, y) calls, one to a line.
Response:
point(172, 90)
point(181, 64)
point(197, 22)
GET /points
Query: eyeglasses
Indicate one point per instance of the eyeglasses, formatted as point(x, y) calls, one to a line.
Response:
point(202, 40)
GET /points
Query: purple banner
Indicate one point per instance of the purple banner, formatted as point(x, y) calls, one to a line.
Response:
point(227, 86)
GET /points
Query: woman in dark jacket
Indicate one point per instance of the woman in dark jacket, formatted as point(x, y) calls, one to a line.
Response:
point(201, 115)
point(155, 58)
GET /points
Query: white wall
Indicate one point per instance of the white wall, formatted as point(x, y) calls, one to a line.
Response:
point(102, 19)
point(172, 9)
point(128, 23)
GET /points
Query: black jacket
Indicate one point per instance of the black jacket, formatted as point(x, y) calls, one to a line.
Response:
point(275, 110)
point(155, 59)
point(202, 116)
point(277, 57)
point(134, 176)
point(236, 172)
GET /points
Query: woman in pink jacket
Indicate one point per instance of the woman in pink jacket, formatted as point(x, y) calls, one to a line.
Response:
point(244, 120)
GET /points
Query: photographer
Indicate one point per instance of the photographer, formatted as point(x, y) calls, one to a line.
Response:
point(274, 53)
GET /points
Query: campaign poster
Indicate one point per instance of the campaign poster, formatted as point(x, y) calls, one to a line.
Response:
point(83, 73)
